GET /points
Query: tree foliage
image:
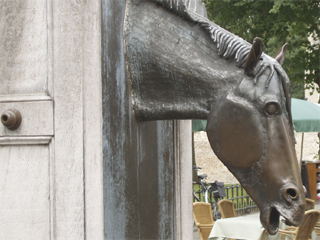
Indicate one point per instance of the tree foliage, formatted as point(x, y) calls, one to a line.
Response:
point(276, 22)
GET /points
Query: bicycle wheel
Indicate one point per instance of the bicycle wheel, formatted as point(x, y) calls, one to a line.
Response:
point(209, 194)
point(197, 191)
point(215, 211)
point(195, 197)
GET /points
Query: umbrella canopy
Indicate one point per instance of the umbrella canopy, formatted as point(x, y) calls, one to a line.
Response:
point(199, 125)
point(305, 115)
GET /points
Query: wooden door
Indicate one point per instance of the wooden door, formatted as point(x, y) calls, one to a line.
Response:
point(52, 183)
point(51, 166)
point(25, 153)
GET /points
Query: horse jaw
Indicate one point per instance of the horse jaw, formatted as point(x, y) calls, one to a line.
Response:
point(271, 209)
point(270, 216)
point(274, 195)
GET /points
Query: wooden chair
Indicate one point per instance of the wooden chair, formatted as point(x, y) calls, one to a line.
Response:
point(203, 218)
point(309, 204)
point(304, 231)
point(226, 208)
point(317, 229)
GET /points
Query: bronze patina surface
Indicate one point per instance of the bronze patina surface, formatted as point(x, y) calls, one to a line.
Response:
point(183, 66)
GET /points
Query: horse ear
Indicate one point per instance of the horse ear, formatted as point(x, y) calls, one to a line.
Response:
point(280, 54)
point(254, 56)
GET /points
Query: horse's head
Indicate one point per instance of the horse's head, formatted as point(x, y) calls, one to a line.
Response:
point(251, 132)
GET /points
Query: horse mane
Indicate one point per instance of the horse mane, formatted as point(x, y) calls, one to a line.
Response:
point(228, 44)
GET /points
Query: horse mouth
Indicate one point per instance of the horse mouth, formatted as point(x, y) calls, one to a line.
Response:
point(270, 221)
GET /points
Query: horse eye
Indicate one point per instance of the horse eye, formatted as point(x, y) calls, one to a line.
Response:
point(272, 108)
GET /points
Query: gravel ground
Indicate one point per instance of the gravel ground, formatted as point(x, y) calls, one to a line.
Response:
point(196, 235)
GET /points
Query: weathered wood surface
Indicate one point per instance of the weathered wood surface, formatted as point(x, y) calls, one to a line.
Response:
point(50, 71)
point(23, 47)
point(24, 191)
point(25, 204)
point(74, 43)
point(81, 166)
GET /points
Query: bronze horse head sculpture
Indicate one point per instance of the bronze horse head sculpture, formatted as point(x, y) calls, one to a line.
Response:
point(183, 66)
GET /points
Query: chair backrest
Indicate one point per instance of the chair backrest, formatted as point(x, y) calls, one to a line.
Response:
point(311, 218)
point(309, 204)
point(202, 213)
point(227, 208)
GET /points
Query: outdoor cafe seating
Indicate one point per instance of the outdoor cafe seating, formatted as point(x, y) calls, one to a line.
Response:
point(309, 204)
point(227, 208)
point(203, 219)
point(249, 227)
point(311, 217)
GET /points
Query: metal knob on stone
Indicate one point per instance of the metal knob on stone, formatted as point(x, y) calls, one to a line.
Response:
point(11, 118)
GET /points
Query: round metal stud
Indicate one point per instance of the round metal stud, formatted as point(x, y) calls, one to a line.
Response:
point(11, 118)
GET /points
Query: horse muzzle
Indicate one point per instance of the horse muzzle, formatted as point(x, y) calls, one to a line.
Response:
point(291, 206)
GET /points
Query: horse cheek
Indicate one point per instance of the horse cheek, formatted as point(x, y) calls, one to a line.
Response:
point(235, 133)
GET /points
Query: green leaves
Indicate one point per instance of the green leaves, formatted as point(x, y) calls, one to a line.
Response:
point(277, 22)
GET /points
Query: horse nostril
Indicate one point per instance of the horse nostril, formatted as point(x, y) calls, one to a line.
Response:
point(292, 193)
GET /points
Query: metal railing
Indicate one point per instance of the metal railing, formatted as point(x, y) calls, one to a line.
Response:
point(242, 201)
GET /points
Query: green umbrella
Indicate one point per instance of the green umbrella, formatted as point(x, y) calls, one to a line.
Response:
point(199, 125)
point(305, 115)
point(306, 118)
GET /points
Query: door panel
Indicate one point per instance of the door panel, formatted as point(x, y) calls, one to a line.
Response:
point(25, 169)
point(24, 191)
point(37, 118)
point(23, 47)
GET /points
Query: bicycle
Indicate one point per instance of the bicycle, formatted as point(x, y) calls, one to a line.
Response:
point(217, 192)
point(201, 182)
point(201, 179)
point(209, 192)
point(195, 197)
